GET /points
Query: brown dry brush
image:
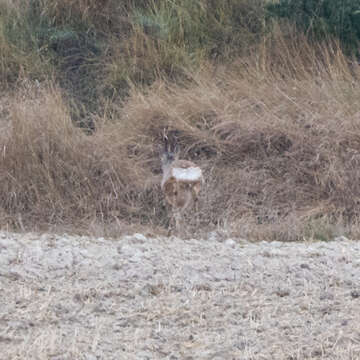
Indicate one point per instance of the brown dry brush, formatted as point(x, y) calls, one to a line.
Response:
point(278, 150)
point(274, 146)
point(52, 172)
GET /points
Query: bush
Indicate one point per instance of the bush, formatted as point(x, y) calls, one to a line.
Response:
point(54, 172)
point(170, 37)
point(95, 48)
point(339, 18)
point(34, 46)
point(21, 54)
point(211, 27)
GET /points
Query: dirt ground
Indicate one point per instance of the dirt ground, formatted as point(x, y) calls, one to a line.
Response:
point(137, 297)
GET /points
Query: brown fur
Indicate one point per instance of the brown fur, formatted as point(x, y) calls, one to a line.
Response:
point(180, 195)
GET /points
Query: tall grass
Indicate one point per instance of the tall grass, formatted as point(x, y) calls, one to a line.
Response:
point(52, 172)
point(108, 45)
point(168, 37)
point(274, 124)
point(321, 19)
point(272, 144)
point(20, 52)
point(278, 148)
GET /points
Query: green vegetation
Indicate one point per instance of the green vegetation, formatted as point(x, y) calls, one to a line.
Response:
point(339, 18)
point(269, 112)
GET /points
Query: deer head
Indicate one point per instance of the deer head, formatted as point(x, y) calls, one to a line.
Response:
point(170, 152)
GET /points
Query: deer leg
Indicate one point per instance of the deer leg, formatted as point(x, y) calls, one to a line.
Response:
point(172, 222)
point(196, 206)
point(179, 223)
point(177, 220)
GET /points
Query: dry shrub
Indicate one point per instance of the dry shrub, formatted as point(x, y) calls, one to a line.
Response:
point(274, 147)
point(280, 150)
point(52, 172)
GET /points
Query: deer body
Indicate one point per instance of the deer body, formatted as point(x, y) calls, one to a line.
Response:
point(181, 184)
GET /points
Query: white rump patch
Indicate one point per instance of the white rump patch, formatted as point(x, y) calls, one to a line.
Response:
point(187, 174)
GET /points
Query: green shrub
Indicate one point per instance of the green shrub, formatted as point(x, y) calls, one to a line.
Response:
point(339, 18)
point(21, 54)
point(37, 42)
point(213, 28)
point(33, 46)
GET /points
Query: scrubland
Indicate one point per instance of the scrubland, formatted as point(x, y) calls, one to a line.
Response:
point(88, 87)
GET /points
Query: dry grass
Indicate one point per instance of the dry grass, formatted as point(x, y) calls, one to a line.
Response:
point(53, 172)
point(277, 135)
point(96, 48)
point(274, 146)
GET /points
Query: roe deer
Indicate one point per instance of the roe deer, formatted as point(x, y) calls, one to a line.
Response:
point(181, 182)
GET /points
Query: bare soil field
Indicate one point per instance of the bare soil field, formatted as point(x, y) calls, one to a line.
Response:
point(137, 297)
